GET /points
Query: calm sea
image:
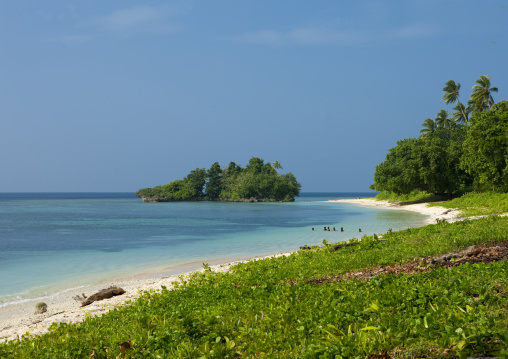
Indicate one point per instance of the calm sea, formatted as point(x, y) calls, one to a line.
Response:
point(53, 241)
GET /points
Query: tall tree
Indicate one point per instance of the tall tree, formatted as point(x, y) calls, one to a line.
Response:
point(195, 182)
point(277, 166)
point(461, 114)
point(429, 126)
point(451, 90)
point(213, 185)
point(255, 165)
point(400, 172)
point(451, 95)
point(481, 98)
point(442, 119)
point(486, 147)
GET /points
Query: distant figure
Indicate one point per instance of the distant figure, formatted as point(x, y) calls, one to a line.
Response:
point(312, 228)
point(334, 229)
point(341, 229)
point(328, 228)
point(359, 230)
point(324, 228)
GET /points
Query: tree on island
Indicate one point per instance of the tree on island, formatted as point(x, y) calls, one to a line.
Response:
point(214, 182)
point(257, 181)
point(277, 166)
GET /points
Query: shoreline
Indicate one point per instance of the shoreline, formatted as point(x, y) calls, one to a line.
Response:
point(19, 318)
point(434, 213)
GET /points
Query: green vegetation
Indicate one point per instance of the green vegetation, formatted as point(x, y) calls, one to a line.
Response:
point(268, 309)
point(478, 204)
point(412, 197)
point(258, 181)
point(486, 148)
point(455, 153)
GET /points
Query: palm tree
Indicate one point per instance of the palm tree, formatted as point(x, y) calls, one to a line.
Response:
point(451, 90)
point(481, 98)
point(276, 165)
point(429, 126)
point(451, 95)
point(442, 119)
point(462, 113)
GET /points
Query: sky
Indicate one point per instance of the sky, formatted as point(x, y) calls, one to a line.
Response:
point(101, 96)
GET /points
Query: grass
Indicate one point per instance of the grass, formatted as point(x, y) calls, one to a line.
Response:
point(265, 308)
point(478, 204)
point(415, 196)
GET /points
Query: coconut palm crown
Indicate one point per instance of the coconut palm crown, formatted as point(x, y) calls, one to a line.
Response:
point(451, 90)
point(481, 98)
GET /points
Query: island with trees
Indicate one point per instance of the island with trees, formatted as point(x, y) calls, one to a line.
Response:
point(257, 182)
point(458, 152)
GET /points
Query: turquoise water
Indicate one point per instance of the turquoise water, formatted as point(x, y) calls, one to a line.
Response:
point(49, 242)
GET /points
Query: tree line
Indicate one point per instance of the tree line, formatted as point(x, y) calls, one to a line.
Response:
point(456, 152)
point(258, 180)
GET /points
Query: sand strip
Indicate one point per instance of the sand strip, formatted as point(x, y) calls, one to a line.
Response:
point(434, 213)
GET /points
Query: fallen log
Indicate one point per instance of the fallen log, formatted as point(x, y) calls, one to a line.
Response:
point(100, 295)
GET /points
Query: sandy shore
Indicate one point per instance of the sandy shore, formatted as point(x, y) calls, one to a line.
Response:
point(19, 319)
point(434, 213)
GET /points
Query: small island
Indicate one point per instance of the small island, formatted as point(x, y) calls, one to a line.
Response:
point(257, 182)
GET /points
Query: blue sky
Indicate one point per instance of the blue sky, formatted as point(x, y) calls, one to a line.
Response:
point(122, 95)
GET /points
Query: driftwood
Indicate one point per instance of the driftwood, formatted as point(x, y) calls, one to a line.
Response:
point(100, 295)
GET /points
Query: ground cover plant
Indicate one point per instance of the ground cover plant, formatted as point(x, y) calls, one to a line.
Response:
point(479, 204)
point(272, 308)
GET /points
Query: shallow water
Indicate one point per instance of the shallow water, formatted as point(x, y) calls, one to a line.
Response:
point(49, 242)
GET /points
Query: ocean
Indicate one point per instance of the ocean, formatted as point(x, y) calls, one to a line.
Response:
point(53, 241)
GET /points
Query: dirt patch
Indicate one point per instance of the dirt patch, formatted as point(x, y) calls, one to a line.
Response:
point(484, 253)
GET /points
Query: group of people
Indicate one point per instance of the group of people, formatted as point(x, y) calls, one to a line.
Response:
point(341, 229)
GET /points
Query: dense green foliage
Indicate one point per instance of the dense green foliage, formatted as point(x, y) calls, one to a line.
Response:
point(258, 180)
point(486, 147)
point(266, 309)
point(430, 163)
point(455, 153)
point(478, 204)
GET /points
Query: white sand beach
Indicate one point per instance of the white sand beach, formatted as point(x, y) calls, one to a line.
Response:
point(434, 213)
point(18, 319)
